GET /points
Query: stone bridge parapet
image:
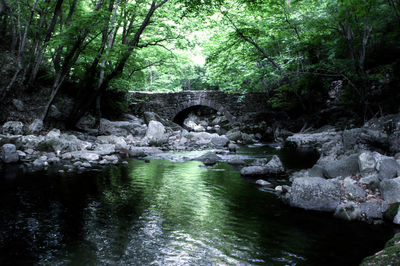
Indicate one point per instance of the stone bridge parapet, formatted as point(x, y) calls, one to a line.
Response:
point(234, 106)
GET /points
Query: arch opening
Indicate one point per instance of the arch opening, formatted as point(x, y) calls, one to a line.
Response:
point(196, 118)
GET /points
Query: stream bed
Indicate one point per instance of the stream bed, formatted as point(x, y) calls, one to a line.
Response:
point(176, 213)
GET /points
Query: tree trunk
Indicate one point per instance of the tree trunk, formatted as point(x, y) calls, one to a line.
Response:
point(49, 32)
point(21, 51)
point(85, 102)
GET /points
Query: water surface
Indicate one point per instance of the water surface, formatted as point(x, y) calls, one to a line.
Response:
point(161, 213)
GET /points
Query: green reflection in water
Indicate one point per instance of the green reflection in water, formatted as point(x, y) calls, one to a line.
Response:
point(168, 213)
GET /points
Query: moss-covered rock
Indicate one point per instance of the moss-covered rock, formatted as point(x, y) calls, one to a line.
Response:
point(390, 255)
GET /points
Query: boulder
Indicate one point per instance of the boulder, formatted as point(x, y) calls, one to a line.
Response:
point(220, 141)
point(156, 133)
point(352, 188)
point(260, 162)
point(234, 135)
point(122, 128)
point(200, 138)
point(371, 181)
point(316, 171)
point(150, 116)
point(366, 162)
point(236, 161)
point(104, 149)
point(388, 168)
point(346, 166)
point(61, 143)
point(315, 140)
point(263, 183)
point(54, 133)
point(9, 153)
point(233, 147)
point(348, 211)
point(275, 165)
point(372, 209)
point(39, 164)
point(36, 126)
point(254, 171)
point(247, 139)
point(13, 128)
point(83, 155)
point(314, 193)
point(119, 142)
point(209, 158)
point(390, 190)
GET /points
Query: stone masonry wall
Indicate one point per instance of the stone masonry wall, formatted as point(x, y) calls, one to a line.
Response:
point(168, 105)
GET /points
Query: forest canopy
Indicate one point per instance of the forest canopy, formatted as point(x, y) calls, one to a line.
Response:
point(298, 51)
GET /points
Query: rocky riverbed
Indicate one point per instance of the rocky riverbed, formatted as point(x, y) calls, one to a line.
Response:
point(357, 176)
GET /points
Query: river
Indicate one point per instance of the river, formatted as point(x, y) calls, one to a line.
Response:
point(162, 212)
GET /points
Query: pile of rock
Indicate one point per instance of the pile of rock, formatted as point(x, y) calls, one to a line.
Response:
point(349, 179)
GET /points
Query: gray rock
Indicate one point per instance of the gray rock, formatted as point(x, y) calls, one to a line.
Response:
point(233, 147)
point(236, 161)
point(39, 165)
point(343, 167)
point(122, 128)
point(209, 158)
point(220, 141)
point(54, 133)
point(86, 165)
point(111, 158)
point(352, 188)
point(13, 128)
point(371, 181)
point(390, 190)
point(314, 140)
point(9, 153)
point(234, 135)
point(21, 154)
point(118, 141)
point(156, 133)
point(314, 193)
point(104, 149)
point(82, 155)
point(366, 162)
point(150, 116)
point(263, 183)
point(60, 143)
point(18, 104)
point(275, 165)
point(36, 126)
point(247, 139)
point(389, 168)
point(200, 138)
point(254, 171)
point(396, 219)
point(348, 211)
point(316, 171)
point(372, 209)
point(259, 168)
point(260, 162)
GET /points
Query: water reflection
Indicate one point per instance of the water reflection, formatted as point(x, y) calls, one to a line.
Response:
point(167, 213)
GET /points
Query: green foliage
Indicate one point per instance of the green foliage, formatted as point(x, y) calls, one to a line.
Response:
point(291, 49)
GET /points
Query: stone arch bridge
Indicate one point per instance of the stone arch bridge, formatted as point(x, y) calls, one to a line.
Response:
point(235, 106)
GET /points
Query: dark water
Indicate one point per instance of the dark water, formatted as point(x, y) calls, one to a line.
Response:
point(168, 213)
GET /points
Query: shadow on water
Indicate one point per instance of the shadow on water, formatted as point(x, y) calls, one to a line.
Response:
point(168, 213)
